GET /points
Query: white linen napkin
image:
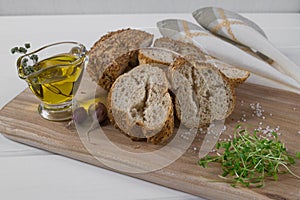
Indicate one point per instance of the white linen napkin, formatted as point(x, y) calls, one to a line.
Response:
point(183, 30)
point(240, 30)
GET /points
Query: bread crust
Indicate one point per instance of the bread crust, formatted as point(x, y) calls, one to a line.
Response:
point(115, 69)
point(113, 55)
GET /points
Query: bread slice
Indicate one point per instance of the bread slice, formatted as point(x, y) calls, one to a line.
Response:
point(154, 55)
point(202, 93)
point(139, 104)
point(158, 57)
point(235, 75)
point(115, 53)
point(207, 107)
point(180, 47)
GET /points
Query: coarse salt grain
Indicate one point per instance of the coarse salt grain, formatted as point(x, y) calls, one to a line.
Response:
point(257, 109)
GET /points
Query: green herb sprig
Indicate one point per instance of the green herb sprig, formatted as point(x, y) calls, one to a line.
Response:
point(22, 50)
point(27, 69)
point(248, 158)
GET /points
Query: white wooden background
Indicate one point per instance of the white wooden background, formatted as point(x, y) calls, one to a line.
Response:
point(49, 7)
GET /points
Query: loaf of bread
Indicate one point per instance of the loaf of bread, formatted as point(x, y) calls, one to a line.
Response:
point(114, 54)
point(202, 93)
point(235, 75)
point(140, 80)
point(139, 104)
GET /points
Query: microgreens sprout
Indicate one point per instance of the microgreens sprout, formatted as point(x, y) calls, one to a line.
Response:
point(249, 158)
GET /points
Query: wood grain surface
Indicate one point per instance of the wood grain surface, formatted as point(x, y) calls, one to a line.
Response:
point(20, 122)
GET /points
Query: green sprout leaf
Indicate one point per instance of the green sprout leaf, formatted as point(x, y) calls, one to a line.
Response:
point(249, 158)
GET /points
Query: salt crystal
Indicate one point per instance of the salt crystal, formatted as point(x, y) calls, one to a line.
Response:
point(271, 114)
point(224, 128)
point(294, 109)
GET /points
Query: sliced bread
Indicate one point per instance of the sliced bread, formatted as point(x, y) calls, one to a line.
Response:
point(155, 55)
point(139, 104)
point(158, 57)
point(235, 75)
point(114, 54)
point(202, 93)
point(214, 93)
point(180, 47)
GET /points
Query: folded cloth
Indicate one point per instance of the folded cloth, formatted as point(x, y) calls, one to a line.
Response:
point(216, 47)
point(240, 30)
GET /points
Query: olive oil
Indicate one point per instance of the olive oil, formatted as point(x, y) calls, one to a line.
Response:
point(56, 79)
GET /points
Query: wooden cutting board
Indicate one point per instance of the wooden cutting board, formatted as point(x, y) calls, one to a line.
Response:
point(20, 122)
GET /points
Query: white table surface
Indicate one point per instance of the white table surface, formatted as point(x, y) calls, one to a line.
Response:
point(29, 173)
